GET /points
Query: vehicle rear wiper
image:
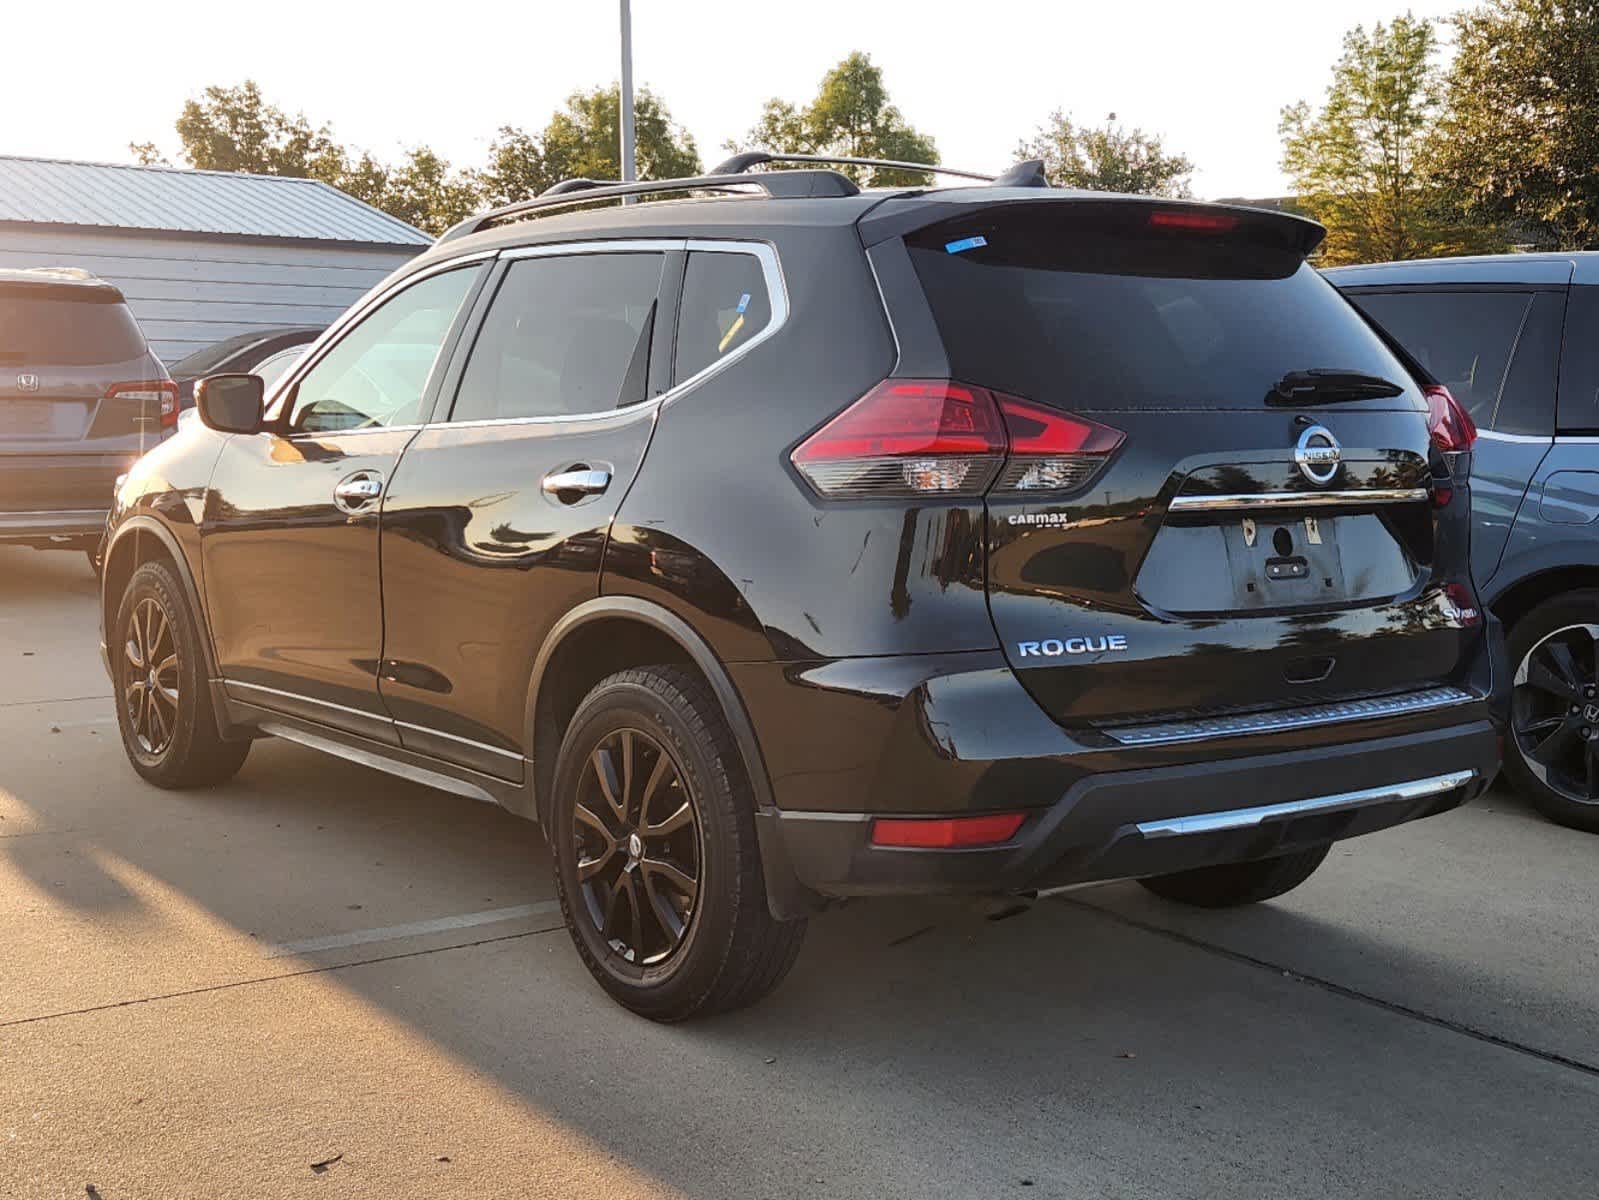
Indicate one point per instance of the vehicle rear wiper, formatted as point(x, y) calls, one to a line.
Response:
point(1330, 383)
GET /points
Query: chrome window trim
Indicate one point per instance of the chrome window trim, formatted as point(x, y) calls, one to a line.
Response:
point(451, 737)
point(1522, 438)
point(1245, 818)
point(776, 293)
point(1166, 733)
point(318, 349)
point(1226, 503)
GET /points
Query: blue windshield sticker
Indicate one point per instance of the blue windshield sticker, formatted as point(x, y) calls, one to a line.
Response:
point(971, 243)
point(743, 302)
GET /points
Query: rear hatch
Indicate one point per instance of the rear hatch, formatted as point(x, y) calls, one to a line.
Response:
point(81, 395)
point(1238, 511)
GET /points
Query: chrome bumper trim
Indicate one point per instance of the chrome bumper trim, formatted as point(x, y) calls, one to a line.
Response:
point(1165, 733)
point(1244, 818)
point(1254, 500)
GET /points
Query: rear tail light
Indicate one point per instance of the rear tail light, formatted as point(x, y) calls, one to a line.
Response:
point(1451, 426)
point(154, 396)
point(1460, 605)
point(919, 437)
point(946, 833)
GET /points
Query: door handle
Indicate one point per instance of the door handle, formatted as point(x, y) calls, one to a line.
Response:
point(584, 481)
point(357, 491)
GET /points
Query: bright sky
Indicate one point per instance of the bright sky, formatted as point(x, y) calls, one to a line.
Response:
point(82, 80)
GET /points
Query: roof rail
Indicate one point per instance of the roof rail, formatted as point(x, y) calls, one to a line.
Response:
point(777, 184)
point(1027, 173)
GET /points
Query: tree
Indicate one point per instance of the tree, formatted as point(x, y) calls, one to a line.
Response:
point(1520, 134)
point(850, 116)
point(584, 140)
point(1362, 164)
point(1107, 158)
point(235, 129)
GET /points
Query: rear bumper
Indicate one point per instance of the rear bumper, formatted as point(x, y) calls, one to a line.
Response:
point(42, 525)
point(849, 741)
point(1125, 824)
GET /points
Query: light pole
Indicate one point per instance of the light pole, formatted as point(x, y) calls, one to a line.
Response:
point(629, 166)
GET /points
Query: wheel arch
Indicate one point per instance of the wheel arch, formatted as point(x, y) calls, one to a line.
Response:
point(142, 539)
point(1521, 597)
point(610, 633)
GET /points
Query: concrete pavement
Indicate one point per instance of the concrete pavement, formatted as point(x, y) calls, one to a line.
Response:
point(321, 981)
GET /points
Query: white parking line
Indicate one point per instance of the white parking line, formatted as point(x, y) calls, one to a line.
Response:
point(362, 937)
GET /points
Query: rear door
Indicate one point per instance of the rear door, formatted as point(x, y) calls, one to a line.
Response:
point(496, 520)
point(1256, 527)
point(1497, 349)
point(80, 395)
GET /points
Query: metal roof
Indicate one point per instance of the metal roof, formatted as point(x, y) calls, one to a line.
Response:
point(49, 191)
point(1545, 267)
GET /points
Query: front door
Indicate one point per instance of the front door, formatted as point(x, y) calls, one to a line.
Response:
point(496, 520)
point(289, 541)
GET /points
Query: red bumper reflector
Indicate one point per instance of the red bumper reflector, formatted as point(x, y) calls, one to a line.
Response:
point(946, 833)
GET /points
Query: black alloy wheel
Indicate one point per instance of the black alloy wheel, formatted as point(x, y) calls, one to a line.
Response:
point(638, 846)
point(1554, 712)
point(150, 676)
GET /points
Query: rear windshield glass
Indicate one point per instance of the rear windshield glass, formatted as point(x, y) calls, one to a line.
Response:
point(48, 331)
point(1102, 315)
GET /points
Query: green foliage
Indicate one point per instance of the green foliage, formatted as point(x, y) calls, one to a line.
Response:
point(1520, 135)
point(1107, 158)
point(851, 116)
point(1362, 164)
point(235, 129)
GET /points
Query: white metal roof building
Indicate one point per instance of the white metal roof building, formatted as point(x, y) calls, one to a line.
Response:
point(201, 255)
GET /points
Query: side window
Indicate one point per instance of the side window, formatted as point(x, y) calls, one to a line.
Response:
point(1579, 369)
point(1527, 403)
point(725, 304)
point(376, 374)
point(566, 334)
point(1464, 338)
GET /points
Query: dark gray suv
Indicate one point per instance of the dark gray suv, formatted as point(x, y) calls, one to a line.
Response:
point(81, 397)
point(1515, 338)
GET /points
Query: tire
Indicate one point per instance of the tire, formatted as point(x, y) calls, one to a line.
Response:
point(1547, 757)
point(645, 747)
point(1232, 884)
point(178, 746)
point(94, 561)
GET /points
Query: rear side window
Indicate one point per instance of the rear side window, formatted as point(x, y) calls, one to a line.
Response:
point(1466, 340)
point(1093, 313)
point(566, 335)
point(725, 306)
point(1579, 369)
point(43, 330)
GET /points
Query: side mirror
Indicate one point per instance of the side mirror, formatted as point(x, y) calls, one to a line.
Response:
point(231, 403)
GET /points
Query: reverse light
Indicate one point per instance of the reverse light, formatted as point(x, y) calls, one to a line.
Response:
point(1451, 426)
point(946, 833)
point(922, 437)
point(161, 394)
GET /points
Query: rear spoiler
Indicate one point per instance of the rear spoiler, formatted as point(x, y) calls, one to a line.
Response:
point(899, 215)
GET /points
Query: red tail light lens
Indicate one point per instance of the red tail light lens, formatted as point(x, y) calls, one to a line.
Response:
point(157, 395)
point(1452, 427)
point(1051, 450)
point(946, 833)
point(908, 437)
point(917, 437)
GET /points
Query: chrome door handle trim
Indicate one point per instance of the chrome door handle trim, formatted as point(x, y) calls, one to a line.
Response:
point(356, 492)
point(589, 482)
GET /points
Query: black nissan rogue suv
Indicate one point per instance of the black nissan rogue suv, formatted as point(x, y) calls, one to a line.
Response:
point(784, 542)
